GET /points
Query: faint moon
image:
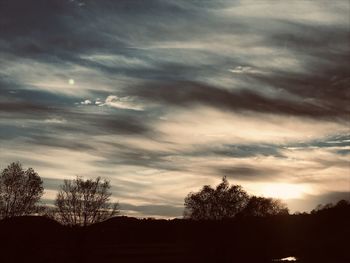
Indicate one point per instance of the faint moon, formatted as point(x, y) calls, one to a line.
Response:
point(71, 81)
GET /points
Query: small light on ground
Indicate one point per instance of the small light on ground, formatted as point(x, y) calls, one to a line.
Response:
point(287, 259)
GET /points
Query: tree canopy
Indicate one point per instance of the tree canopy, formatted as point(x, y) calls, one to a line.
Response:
point(262, 206)
point(224, 201)
point(84, 202)
point(20, 190)
point(227, 201)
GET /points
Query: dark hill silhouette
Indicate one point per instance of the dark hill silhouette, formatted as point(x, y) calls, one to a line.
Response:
point(34, 239)
point(322, 236)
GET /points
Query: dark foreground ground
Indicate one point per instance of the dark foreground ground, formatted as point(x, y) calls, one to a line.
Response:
point(324, 237)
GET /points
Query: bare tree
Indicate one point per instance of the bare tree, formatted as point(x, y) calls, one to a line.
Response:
point(84, 202)
point(19, 190)
point(224, 201)
point(261, 206)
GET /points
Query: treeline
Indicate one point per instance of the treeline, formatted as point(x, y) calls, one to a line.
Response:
point(225, 201)
point(85, 202)
point(224, 224)
point(78, 202)
point(319, 237)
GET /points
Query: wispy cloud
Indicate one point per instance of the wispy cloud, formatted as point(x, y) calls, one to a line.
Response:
point(162, 97)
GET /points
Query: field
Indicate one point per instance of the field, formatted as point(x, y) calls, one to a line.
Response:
point(321, 237)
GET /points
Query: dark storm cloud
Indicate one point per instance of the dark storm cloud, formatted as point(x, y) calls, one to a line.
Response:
point(323, 86)
point(166, 160)
point(191, 93)
point(117, 123)
point(26, 105)
point(53, 141)
point(52, 183)
point(124, 154)
point(64, 31)
point(39, 123)
point(248, 173)
point(242, 151)
point(343, 152)
point(12, 92)
point(21, 107)
point(235, 151)
point(326, 43)
point(341, 140)
point(320, 91)
point(49, 130)
point(74, 28)
point(17, 102)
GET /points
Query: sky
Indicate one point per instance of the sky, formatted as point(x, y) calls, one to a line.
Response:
point(163, 97)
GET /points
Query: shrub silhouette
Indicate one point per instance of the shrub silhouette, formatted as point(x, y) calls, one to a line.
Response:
point(340, 206)
point(261, 206)
point(227, 201)
point(224, 201)
point(19, 191)
point(84, 202)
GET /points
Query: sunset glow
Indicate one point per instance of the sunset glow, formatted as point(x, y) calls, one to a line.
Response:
point(284, 191)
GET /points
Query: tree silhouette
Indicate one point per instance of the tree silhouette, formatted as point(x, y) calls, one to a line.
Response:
point(19, 190)
point(84, 202)
point(224, 201)
point(261, 206)
point(341, 205)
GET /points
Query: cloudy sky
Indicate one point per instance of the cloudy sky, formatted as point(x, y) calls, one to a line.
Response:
point(162, 97)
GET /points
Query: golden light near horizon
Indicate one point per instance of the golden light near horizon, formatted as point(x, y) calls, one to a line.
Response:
point(284, 190)
point(71, 82)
